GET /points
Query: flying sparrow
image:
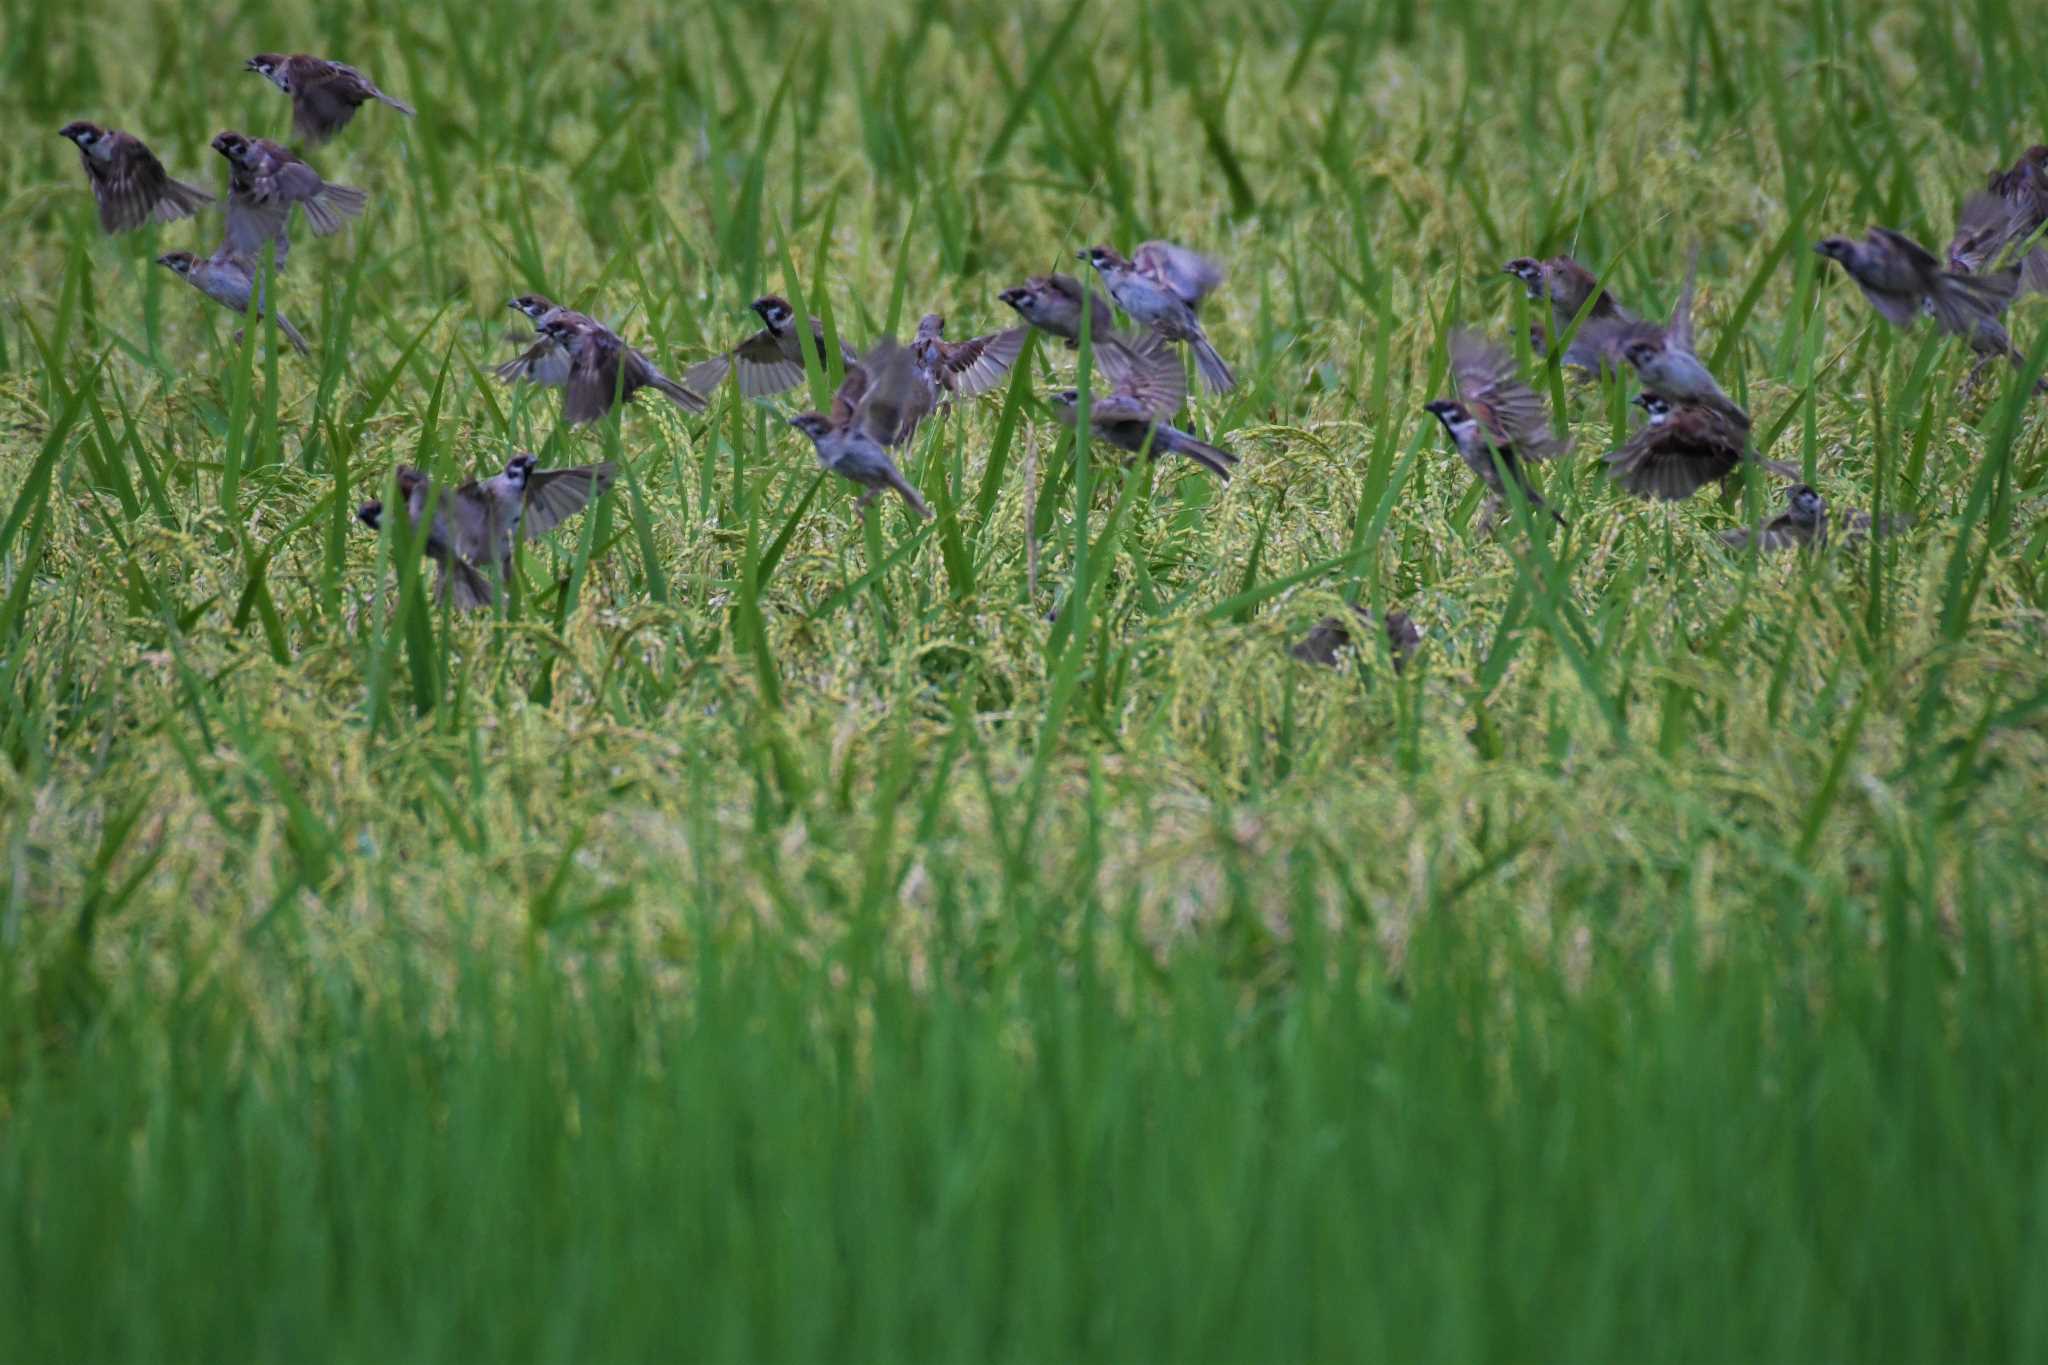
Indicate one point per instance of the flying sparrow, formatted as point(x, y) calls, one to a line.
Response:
point(1147, 386)
point(264, 181)
point(1161, 287)
point(2024, 190)
point(1664, 357)
point(602, 366)
point(877, 407)
point(1495, 415)
point(1683, 448)
point(458, 577)
point(128, 181)
point(1567, 285)
point(1901, 278)
point(226, 280)
point(1052, 303)
point(325, 95)
point(963, 368)
point(771, 361)
point(1331, 635)
point(525, 501)
point(1805, 521)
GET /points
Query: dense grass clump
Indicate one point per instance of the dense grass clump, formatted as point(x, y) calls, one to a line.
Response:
point(778, 933)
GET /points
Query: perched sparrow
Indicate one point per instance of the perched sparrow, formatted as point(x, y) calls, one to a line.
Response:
point(1052, 303)
point(458, 577)
point(963, 368)
point(325, 95)
point(1161, 287)
point(264, 181)
point(1148, 386)
point(1496, 414)
point(770, 361)
point(1805, 522)
point(1683, 448)
point(491, 515)
point(226, 280)
point(601, 366)
point(1664, 357)
point(878, 406)
point(1567, 285)
point(1901, 278)
point(129, 181)
point(1331, 635)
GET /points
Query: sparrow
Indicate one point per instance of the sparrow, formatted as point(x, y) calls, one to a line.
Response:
point(128, 181)
point(602, 366)
point(1052, 303)
point(2024, 192)
point(525, 501)
point(771, 361)
point(458, 577)
point(877, 407)
point(1664, 357)
point(325, 95)
point(226, 279)
point(1567, 285)
point(1804, 522)
point(264, 181)
point(1161, 286)
point(1147, 386)
point(1901, 279)
point(963, 368)
point(1683, 448)
point(1330, 636)
point(1495, 414)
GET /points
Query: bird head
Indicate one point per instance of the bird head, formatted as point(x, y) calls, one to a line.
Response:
point(774, 310)
point(1101, 257)
point(1806, 505)
point(86, 135)
point(1453, 415)
point(1529, 272)
point(371, 513)
point(533, 305)
point(1836, 248)
point(931, 327)
point(231, 145)
point(1655, 404)
point(272, 68)
point(181, 262)
point(519, 469)
point(1643, 350)
point(811, 424)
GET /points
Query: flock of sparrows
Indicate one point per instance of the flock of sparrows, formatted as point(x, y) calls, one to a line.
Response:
point(1694, 435)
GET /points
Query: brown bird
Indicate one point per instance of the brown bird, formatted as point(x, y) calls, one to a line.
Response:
point(1683, 448)
point(1161, 286)
point(524, 502)
point(602, 367)
point(128, 181)
point(325, 95)
point(1147, 386)
point(1567, 286)
point(545, 361)
point(227, 280)
point(1902, 279)
point(1329, 637)
point(1496, 415)
point(1805, 521)
point(771, 361)
point(264, 181)
point(877, 407)
point(458, 577)
point(963, 368)
point(1052, 303)
point(2023, 193)
point(1666, 358)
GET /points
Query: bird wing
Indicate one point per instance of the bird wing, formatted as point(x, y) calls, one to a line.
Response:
point(544, 362)
point(896, 399)
point(593, 377)
point(1511, 410)
point(555, 495)
point(1187, 273)
point(1672, 461)
point(765, 368)
point(1678, 332)
point(128, 185)
point(1983, 228)
point(1112, 408)
point(1148, 374)
point(852, 389)
point(324, 99)
point(980, 363)
point(290, 180)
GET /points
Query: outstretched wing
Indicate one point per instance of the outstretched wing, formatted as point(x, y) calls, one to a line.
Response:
point(1146, 374)
point(555, 495)
point(980, 363)
point(1490, 387)
point(896, 399)
point(1187, 273)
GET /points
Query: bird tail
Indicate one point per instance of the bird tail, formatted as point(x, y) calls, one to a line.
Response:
point(1216, 376)
point(328, 210)
point(460, 579)
point(688, 399)
point(1960, 301)
point(1215, 459)
point(179, 200)
point(910, 495)
point(291, 334)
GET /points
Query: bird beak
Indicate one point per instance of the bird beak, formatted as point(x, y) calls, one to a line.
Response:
point(250, 65)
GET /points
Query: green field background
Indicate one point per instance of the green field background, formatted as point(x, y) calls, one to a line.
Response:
point(769, 936)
